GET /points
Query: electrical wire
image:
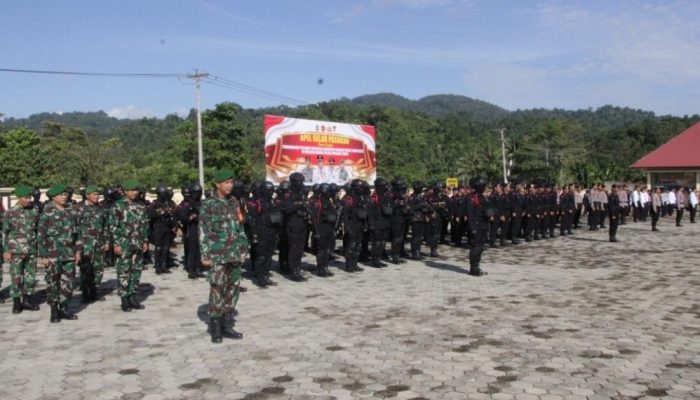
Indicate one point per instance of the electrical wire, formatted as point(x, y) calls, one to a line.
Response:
point(108, 74)
point(241, 86)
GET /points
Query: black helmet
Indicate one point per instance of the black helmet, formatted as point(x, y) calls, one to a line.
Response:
point(239, 190)
point(418, 186)
point(478, 184)
point(324, 189)
point(186, 191)
point(365, 188)
point(314, 188)
point(161, 191)
point(381, 185)
point(333, 188)
point(265, 189)
point(296, 180)
point(283, 187)
point(355, 185)
point(254, 186)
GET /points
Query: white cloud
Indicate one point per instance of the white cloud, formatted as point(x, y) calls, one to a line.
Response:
point(130, 112)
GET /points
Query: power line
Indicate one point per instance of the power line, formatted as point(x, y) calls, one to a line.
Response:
point(253, 90)
point(279, 98)
point(108, 74)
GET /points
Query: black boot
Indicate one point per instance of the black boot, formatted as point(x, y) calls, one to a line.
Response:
point(434, 253)
point(126, 306)
point(215, 329)
point(28, 305)
point(17, 306)
point(358, 268)
point(86, 296)
point(135, 305)
point(65, 314)
point(395, 259)
point(94, 294)
point(229, 333)
point(55, 316)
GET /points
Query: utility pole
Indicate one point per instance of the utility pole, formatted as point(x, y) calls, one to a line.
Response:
point(503, 152)
point(197, 76)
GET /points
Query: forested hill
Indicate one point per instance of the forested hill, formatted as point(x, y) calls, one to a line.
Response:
point(435, 105)
point(428, 139)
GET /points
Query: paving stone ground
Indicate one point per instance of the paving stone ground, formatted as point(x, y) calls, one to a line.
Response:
point(571, 318)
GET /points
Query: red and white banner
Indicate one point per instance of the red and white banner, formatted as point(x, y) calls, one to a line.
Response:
point(322, 151)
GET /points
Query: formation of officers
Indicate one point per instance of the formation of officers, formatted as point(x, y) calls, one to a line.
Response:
point(237, 220)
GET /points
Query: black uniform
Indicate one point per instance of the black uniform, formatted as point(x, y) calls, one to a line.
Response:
point(517, 202)
point(478, 220)
point(324, 219)
point(162, 215)
point(398, 220)
point(188, 216)
point(438, 204)
point(354, 224)
point(380, 211)
point(295, 206)
point(265, 223)
point(614, 210)
point(420, 216)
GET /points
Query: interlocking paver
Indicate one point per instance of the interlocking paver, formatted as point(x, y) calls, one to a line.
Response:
point(570, 318)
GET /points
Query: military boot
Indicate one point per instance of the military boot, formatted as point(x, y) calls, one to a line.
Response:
point(126, 306)
point(229, 333)
point(215, 330)
point(55, 316)
point(434, 253)
point(63, 313)
point(17, 306)
point(28, 305)
point(135, 305)
point(395, 259)
point(86, 297)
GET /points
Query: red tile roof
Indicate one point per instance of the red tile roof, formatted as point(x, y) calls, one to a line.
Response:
point(683, 151)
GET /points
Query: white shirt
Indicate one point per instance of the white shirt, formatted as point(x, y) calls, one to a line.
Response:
point(693, 199)
point(672, 198)
point(320, 175)
point(635, 197)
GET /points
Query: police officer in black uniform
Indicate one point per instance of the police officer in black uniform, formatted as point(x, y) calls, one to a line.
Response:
point(399, 219)
point(162, 215)
point(420, 214)
point(354, 223)
point(281, 193)
point(478, 221)
point(517, 203)
point(324, 218)
point(380, 211)
point(295, 206)
point(265, 223)
point(188, 216)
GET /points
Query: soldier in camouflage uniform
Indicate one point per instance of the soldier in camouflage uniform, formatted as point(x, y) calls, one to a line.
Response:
point(19, 248)
point(128, 226)
point(223, 246)
point(93, 235)
point(59, 250)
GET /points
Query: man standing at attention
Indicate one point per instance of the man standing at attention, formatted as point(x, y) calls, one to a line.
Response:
point(128, 226)
point(223, 246)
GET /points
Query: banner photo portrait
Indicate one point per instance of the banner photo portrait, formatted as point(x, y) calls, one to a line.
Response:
point(323, 151)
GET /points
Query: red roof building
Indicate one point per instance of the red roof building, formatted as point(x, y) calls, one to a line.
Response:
point(676, 162)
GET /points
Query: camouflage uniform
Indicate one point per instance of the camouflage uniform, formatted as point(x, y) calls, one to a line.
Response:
point(57, 241)
point(128, 227)
point(19, 238)
point(223, 241)
point(93, 235)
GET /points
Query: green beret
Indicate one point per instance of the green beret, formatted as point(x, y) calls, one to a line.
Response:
point(130, 184)
point(23, 191)
point(56, 190)
point(223, 175)
point(92, 189)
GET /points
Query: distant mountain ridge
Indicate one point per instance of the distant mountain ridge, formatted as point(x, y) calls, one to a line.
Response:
point(435, 105)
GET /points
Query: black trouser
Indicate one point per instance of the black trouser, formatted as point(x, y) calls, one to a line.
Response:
point(614, 221)
point(478, 241)
point(432, 233)
point(443, 227)
point(283, 248)
point(532, 227)
point(353, 242)
point(417, 235)
point(515, 225)
point(267, 239)
point(161, 240)
point(325, 243)
point(192, 254)
point(397, 230)
point(457, 229)
point(551, 223)
point(654, 219)
point(296, 236)
point(679, 216)
point(379, 239)
point(566, 222)
point(692, 210)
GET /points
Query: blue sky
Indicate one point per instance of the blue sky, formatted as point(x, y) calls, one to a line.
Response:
point(515, 54)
